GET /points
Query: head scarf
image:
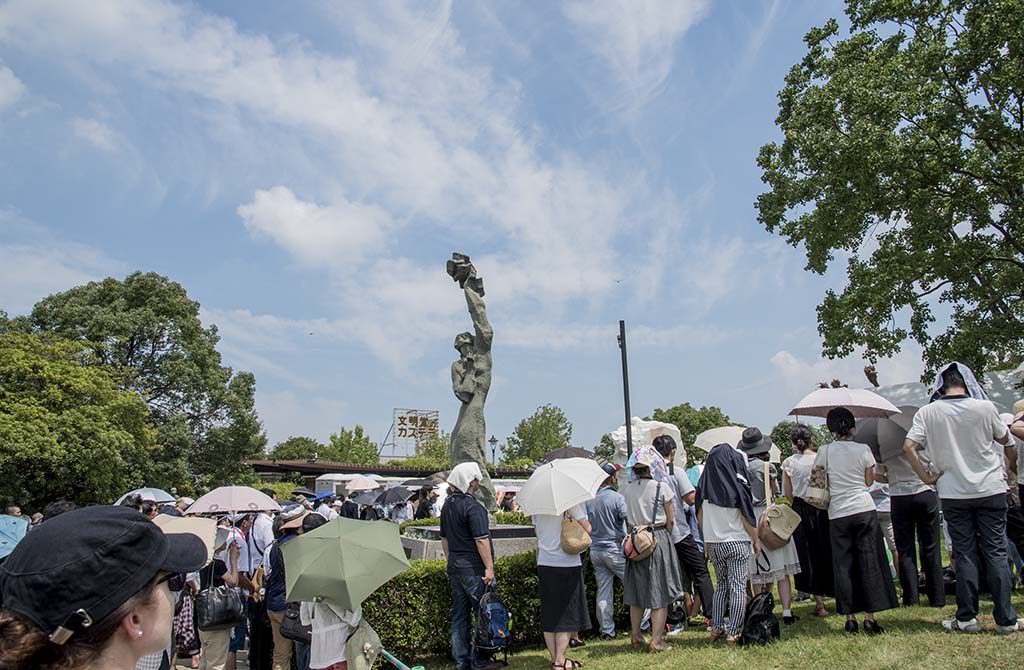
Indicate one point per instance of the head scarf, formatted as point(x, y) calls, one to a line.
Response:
point(973, 387)
point(724, 482)
point(647, 455)
point(464, 474)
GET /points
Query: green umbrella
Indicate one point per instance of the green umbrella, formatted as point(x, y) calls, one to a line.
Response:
point(343, 561)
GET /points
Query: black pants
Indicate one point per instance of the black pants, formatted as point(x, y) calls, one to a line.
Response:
point(1015, 524)
point(860, 566)
point(917, 516)
point(978, 529)
point(695, 571)
point(261, 638)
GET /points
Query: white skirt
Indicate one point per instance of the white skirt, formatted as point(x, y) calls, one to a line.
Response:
point(771, 565)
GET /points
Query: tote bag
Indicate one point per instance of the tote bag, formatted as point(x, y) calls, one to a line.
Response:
point(818, 493)
point(575, 540)
point(777, 524)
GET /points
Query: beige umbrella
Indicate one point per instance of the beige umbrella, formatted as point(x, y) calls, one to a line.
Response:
point(204, 529)
point(862, 403)
point(232, 499)
point(711, 438)
point(361, 483)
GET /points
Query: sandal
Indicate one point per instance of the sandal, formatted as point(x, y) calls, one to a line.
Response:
point(732, 640)
point(576, 642)
point(821, 611)
point(652, 648)
point(572, 664)
point(717, 635)
point(642, 642)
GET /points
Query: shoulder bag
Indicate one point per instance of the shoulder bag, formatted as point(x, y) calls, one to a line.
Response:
point(219, 607)
point(818, 493)
point(575, 540)
point(291, 625)
point(778, 522)
point(640, 542)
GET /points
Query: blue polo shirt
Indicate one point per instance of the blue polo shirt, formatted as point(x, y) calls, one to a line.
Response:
point(607, 515)
point(463, 522)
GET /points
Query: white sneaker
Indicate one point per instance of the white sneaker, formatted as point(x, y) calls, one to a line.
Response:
point(954, 626)
point(675, 630)
point(1007, 630)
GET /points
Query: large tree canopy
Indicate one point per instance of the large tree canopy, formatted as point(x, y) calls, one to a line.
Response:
point(545, 430)
point(903, 151)
point(146, 332)
point(353, 446)
point(691, 422)
point(66, 429)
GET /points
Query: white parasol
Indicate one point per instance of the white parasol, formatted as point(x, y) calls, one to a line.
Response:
point(231, 499)
point(711, 438)
point(556, 486)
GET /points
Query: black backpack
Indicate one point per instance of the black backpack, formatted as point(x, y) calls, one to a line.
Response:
point(760, 625)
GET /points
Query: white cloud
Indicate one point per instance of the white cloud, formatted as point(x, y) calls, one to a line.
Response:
point(11, 87)
point(96, 133)
point(330, 235)
point(35, 263)
point(800, 376)
point(635, 38)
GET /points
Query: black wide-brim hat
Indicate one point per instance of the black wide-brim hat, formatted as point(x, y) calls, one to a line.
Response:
point(754, 443)
point(78, 568)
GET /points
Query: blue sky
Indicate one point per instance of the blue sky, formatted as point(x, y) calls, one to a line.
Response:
point(305, 169)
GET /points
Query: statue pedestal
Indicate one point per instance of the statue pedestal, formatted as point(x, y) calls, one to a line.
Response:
point(424, 542)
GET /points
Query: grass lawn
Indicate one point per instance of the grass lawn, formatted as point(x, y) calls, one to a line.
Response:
point(914, 639)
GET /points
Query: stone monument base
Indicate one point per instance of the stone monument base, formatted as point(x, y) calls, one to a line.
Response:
point(424, 542)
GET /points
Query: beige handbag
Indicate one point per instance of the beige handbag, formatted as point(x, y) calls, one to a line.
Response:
point(575, 540)
point(818, 494)
point(776, 526)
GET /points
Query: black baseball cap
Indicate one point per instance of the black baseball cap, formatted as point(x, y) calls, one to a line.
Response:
point(78, 568)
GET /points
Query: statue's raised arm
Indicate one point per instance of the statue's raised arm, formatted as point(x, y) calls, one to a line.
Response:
point(478, 312)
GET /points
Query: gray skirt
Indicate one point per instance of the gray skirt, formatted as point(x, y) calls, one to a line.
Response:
point(656, 581)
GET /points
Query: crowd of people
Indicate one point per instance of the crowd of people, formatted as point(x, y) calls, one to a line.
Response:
point(955, 476)
point(103, 586)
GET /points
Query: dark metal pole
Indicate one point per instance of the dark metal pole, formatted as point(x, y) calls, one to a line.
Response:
point(625, 388)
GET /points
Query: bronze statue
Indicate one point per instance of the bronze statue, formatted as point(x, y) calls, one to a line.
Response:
point(471, 378)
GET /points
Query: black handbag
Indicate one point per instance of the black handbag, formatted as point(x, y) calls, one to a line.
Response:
point(219, 607)
point(291, 625)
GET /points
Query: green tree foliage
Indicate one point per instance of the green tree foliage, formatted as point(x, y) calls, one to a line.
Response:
point(691, 422)
point(780, 436)
point(146, 331)
point(545, 430)
point(903, 151)
point(432, 454)
point(66, 429)
point(352, 446)
point(298, 449)
point(606, 448)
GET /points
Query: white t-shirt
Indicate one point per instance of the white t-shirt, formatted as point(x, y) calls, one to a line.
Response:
point(681, 487)
point(260, 538)
point(237, 538)
point(548, 529)
point(639, 495)
point(903, 481)
point(846, 462)
point(722, 524)
point(798, 467)
point(958, 434)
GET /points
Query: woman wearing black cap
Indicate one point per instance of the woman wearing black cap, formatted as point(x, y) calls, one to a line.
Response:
point(88, 589)
point(862, 577)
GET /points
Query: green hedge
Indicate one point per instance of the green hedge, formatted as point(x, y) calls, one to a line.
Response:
point(431, 521)
point(510, 518)
point(412, 612)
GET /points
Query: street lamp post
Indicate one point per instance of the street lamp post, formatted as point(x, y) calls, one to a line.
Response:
point(494, 449)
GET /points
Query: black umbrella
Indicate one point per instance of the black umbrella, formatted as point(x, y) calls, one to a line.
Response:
point(420, 483)
point(365, 498)
point(303, 492)
point(398, 494)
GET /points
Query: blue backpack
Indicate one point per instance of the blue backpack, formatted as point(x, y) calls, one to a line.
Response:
point(493, 625)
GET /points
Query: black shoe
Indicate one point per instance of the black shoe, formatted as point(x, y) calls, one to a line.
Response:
point(872, 628)
point(851, 626)
point(790, 620)
point(576, 642)
point(607, 636)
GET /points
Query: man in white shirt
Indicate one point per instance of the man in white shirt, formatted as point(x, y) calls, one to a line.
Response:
point(959, 434)
point(261, 644)
point(325, 510)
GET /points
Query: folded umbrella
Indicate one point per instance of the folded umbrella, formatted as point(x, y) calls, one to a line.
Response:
point(862, 403)
point(721, 435)
point(149, 493)
point(556, 486)
point(343, 561)
point(12, 530)
point(231, 499)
